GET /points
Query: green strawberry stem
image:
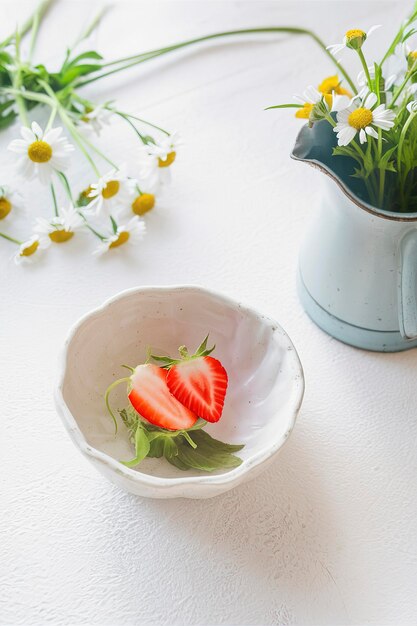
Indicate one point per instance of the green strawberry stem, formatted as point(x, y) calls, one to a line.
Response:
point(188, 438)
point(106, 398)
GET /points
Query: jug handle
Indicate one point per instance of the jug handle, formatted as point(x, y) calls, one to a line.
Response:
point(408, 286)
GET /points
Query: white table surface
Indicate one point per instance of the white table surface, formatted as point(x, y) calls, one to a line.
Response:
point(328, 535)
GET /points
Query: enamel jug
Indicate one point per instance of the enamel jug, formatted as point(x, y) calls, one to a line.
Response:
point(357, 276)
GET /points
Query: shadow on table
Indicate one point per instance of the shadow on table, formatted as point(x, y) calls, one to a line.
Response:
point(275, 532)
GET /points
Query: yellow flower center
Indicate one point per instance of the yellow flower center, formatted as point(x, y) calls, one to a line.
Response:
point(360, 118)
point(5, 207)
point(304, 112)
point(168, 161)
point(413, 54)
point(355, 33)
point(30, 249)
point(111, 189)
point(40, 152)
point(143, 203)
point(60, 236)
point(121, 239)
point(332, 84)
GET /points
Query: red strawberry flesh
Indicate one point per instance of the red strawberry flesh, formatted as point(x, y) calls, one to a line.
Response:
point(200, 384)
point(151, 398)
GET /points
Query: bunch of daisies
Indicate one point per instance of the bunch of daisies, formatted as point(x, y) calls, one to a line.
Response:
point(374, 120)
point(113, 205)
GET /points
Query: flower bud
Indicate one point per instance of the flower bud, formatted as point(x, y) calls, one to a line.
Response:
point(355, 38)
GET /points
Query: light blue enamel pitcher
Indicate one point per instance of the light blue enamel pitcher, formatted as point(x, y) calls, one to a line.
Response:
point(358, 264)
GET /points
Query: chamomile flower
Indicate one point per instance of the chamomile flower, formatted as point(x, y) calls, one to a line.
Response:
point(60, 228)
point(165, 149)
point(156, 158)
point(332, 85)
point(130, 233)
point(362, 119)
point(30, 250)
point(94, 120)
point(9, 200)
point(412, 106)
point(312, 96)
point(110, 192)
point(354, 39)
point(39, 153)
point(142, 203)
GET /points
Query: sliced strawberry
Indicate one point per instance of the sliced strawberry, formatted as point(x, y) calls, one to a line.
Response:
point(200, 384)
point(151, 398)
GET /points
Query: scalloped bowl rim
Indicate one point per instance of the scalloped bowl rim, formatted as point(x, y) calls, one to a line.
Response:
point(156, 482)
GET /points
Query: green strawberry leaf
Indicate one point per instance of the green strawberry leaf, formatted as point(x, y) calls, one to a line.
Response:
point(199, 451)
point(204, 440)
point(142, 447)
point(206, 460)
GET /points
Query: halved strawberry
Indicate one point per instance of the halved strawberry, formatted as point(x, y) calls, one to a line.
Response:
point(200, 384)
point(151, 398)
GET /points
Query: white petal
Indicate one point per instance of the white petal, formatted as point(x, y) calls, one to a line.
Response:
point(44, 173)
point(362, 136)
point(27, 134)
point(372, 29)
point(346, 136)
point(371, 131)
point(53, 134)
point(379, 109)
point(18, 145)
point(340, 103)
point(370, 100)
point(37, 130)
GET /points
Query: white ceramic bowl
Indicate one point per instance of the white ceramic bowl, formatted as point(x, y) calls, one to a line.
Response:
point(264, 395)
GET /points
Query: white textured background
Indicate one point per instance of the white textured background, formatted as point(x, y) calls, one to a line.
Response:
point(327, 536)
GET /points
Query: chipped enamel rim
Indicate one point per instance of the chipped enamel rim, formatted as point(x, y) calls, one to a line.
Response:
point(234, 476)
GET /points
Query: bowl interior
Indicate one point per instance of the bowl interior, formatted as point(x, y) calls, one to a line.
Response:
point(263, 368)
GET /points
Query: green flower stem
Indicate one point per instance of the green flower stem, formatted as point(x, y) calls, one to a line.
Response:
point(78, 140)
point(246, 31)
point(398, 92)
point(399, 36)
point(365, 68)
point(40, 12)
point(54, 200)
point(91, 27)
point(126, 118)
point(138, 119)
point(381, 171)
point(369, 184)
point(51, 118)
point(34, 34)
point(106, 398)
point(97, 151)
point(12, 239)
point(66, 186)
point(399, 157)
point(330, 120)
point(17, 82)
point(188, 438)
point(29, 95)
point(90, 228)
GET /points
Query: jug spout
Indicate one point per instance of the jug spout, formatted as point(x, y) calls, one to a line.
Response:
point(314, 145)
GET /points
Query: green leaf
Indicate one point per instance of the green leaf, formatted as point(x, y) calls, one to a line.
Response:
point(90, 54)
point(142, 447)
point(202, 438)
point(78, 70)
point(206, 460)
point(284, 106)
point(156, 449)
point(176, 461)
